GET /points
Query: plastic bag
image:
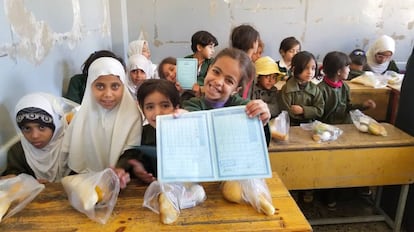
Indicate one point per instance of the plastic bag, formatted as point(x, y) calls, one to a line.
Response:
point(94, 194)
point(167, 199)
point(322, 132)
point(365, 123)
point(279, 127)
point(16, 193)
point(252, 191)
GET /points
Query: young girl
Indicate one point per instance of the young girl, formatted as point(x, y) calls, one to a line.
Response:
point(107, 124)
point(246, 38)
point(335, 91)
point(379, 56)
point(299, 96)
point(138, 68)
point(141, 47)
point(41, 123)
point(289, 47)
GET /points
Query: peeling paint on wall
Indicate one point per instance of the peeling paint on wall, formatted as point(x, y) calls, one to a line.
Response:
point(36, 38)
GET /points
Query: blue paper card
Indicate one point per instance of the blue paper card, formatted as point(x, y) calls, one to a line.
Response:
point(187, 72)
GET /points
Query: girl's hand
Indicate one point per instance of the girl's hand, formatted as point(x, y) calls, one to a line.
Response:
point(296, 109)
point(369, 104)
point(197, 90)
point(123, 176)
point(140, 172)
point(178, 112)
point(42, 181)
point(178, 87)
point(258, 108)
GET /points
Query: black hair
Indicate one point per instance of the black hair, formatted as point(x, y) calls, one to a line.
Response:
point(247, 69)
point(288, 43)
point(158, 85)
point(333, 62)
point(168, 60)
point(202, 38)
point(243, 37)
point(98, 54)
point(300, 61)
point(358, 57)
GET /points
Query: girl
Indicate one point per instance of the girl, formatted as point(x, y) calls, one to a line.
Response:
point(289, 47)
point(107, 124)
point(335, 91)
point(141, 47)
point(299, 96)
point(41, 124)
point(246, 38)
point(379, 56)
point(155, 97)
point(138, 68)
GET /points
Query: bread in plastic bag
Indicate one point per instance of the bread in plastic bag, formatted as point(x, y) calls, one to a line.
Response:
point(372, 80)
point(16, 193)
point(322, 132)
point(279, 127)
point(252, 191)
point(94, 194)
point(365, 123)
point(167, 199)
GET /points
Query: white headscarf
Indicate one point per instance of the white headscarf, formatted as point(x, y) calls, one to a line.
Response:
point(135, 47)
point(137, 61)
point(382, 44)
point(97, 137)
point(47, 163)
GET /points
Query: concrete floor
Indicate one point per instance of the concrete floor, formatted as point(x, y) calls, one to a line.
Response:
point(349, 203)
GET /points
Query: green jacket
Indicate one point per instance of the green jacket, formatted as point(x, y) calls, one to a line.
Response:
point(337, 104)
point(310, 99)
point(76, 89)
point(16, 161)
point(269, 96)
point(203, 69)
point(199, 103)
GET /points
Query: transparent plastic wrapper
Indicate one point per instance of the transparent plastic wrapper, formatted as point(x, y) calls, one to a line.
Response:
point(279, 127)
point(252, 191)
point(372, 80)
point(394, 78)
point(16, 193)
point(365, 123)
point(322, 132)
point(94, 194)
point(167, 199)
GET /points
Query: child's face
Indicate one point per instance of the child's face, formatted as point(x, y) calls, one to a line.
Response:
point(309, 72)
point(170, 72)
point(155, 104)
point(222, 79)
point(267, 81)
point(343, 73)
point(289, 54)
point(356, 67)
point(39, 136)
point(207, 52)
point(108, 90)
point(138, 76)
point(146, 51)
point(382, 57)
point(257, 54)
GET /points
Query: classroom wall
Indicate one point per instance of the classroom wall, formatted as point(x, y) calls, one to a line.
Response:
point(44, 42)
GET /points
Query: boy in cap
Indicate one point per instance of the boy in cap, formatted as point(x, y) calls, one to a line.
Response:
point(358, 62)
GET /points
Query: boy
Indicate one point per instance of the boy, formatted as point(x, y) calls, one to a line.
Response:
point(358, 62)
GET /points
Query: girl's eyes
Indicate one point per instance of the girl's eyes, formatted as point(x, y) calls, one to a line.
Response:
point(166, 105)
point(115, 86)
point(230, 81)
point(149, 107)
point(99, 86)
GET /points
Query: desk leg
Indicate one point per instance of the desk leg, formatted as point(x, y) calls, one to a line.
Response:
point(400, 208)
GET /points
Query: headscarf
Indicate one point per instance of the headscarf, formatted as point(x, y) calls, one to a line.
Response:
point(382, 44)
point(137, 61)
point(47, 163)
point(97, 137)
point(135, 47)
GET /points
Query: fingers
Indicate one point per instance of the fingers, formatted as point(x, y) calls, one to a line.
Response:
point(140, 172)
point(258, 108)
point(178, 112)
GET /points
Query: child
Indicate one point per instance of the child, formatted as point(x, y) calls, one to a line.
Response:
point(141, 47)
point(138, 68)
point(41, 124)
point(202, 45)
point(155, 97)
point(267, 73)
point(336, 95)
point(358, 62)
point(289, 47)
point(299, 96)
point(167, 69)
point(77, 83)
point(259, 52)
point(246, 38)
point(379, 56)
point(107, 124)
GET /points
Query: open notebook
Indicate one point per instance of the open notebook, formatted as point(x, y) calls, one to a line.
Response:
point(211, 145)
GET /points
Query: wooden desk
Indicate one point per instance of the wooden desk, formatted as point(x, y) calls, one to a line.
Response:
point(51, 211)
point(394, 102)
point(355, 159)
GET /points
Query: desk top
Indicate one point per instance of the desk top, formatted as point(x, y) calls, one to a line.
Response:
point(301, 140)
point(51, 211)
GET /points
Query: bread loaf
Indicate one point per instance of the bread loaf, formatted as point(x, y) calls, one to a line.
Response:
point(168, 213)
point(232, 191)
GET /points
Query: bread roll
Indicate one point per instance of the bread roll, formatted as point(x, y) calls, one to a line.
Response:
point(168, 213)
point(279, 136)
point(265, 206)
point(4, 203)
point(82, 189)
point(232, 191)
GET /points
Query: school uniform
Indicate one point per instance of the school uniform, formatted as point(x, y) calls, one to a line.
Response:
point(309, 97)
point(76, 88)
point(269, 96)
point(16, 161)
